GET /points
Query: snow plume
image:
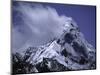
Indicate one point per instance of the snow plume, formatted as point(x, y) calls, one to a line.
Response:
point(35, 24)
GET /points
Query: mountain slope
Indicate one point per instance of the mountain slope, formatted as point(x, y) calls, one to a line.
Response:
point(70, 51)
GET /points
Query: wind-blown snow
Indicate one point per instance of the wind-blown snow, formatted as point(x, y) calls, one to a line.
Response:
point(38, 25)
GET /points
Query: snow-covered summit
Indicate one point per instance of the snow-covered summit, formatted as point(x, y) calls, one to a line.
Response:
point(70, 51)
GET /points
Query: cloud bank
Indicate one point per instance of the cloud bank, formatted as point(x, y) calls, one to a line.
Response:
point(35, 24)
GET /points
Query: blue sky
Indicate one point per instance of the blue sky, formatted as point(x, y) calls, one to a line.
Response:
point(84, 16)
point(27, 18)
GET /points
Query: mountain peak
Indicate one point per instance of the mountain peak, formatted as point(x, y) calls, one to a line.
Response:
point(70, 51)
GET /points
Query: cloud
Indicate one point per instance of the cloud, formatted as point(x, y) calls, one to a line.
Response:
point(38, 24)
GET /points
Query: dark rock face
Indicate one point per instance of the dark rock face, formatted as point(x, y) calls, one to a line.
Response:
point(69, 52)
point(64, 52)
point(50, 65)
